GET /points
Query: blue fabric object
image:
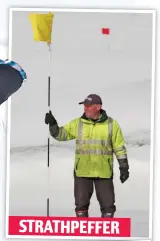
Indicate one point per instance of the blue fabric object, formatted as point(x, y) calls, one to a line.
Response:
point(16, 66)
point(12, 76)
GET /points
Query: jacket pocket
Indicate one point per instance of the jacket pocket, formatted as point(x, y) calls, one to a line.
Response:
point(109, 164)
point(76, 167)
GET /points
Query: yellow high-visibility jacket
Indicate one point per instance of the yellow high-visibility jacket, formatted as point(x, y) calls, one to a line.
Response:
point(96, 142)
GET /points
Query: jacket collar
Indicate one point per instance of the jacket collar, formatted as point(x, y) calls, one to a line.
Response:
point(103, 117)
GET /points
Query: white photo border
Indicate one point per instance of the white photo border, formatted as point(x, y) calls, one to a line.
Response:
point(88, 10)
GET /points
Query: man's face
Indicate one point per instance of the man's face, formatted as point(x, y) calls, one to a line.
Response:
point(91, 110)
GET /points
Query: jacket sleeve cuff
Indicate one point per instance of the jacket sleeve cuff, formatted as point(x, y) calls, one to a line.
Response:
point(123, 163)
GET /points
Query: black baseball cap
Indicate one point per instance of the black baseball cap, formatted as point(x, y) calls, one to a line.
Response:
point(92, 99)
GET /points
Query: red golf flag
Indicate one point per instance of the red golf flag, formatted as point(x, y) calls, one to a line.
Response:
point(105, 31)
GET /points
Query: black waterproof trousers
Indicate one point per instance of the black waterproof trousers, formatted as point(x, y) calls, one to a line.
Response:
point(83, 190)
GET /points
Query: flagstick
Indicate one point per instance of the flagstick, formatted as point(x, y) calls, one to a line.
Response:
point(49, 84)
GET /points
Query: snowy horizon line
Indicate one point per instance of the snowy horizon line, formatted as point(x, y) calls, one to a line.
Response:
point(139, 137)
point(128, 143)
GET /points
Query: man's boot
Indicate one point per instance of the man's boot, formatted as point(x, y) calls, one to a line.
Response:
point(107, 215)
point(83, 213)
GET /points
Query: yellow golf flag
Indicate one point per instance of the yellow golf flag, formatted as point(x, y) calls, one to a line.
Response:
point(42, 26)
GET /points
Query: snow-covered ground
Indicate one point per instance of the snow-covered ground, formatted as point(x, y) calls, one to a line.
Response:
point(118, 67)
point(31, 182)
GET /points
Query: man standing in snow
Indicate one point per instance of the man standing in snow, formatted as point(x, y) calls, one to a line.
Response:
point(97, 137)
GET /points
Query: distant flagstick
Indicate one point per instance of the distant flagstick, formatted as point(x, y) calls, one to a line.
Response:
point(42, 30)
point(106, 31)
